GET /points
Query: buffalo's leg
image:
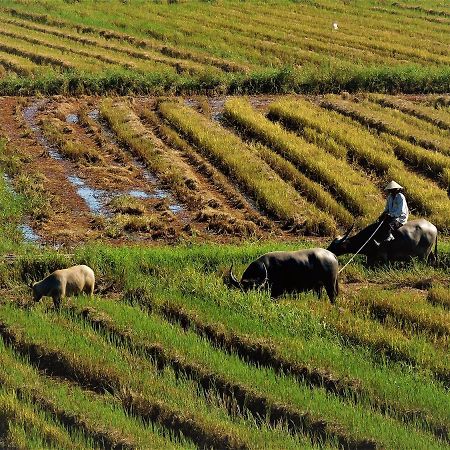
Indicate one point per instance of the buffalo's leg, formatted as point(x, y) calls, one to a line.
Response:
point(57, 301)
point(318, 291)
point(332, 292)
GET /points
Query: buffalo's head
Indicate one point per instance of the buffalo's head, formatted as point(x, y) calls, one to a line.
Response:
point(35, 291)
point(340, 244)
point(249, 283)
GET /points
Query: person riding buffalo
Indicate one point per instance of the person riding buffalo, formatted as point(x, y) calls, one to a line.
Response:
point(394, 216)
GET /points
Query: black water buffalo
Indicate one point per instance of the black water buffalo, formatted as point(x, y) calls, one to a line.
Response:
point(415, 239)
point(286, 272)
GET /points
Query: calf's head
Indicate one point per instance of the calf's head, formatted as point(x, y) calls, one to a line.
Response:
point(36, 291)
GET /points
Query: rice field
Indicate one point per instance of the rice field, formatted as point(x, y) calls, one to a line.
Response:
point(160, 196)
point(162, 143)
point(225, 46)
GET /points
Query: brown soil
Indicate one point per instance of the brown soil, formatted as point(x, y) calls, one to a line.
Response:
point(71, 221)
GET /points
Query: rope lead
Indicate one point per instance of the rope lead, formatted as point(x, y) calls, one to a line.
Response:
point(365, 243)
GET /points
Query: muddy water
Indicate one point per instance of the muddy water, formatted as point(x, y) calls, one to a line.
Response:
point(29, 114)
point(28, 233)
point(157, 192)
point(72, 118)
point(91, 196)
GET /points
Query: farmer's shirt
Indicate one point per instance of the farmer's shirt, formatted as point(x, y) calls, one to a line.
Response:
point(397, 207)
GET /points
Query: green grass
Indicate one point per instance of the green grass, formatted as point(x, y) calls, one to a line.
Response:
point(92, 415)
point(187, 350)
point(95, 362)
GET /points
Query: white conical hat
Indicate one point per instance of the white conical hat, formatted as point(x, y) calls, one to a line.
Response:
point(393, 185)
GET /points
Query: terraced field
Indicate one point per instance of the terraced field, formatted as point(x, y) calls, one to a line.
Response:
point(224, 46)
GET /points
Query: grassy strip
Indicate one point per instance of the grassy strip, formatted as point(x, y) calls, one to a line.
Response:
point(426, 113)
point(30, 186)
point(11, 210)
point(239, 161)
point(369, 150)
point(353, 190)
point(69, 146)
point(251, 389)
point(261, 391)
point(414, 79)
point(439, 295)
point(155, 396)
point(100, 418)
point(24, 425)
point(385, 340)
point(408, 309)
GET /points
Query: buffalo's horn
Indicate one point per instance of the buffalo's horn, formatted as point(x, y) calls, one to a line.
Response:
point(266, 278)
point(234, 281)
point(348, 232)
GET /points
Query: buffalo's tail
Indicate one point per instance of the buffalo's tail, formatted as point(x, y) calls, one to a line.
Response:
point(436, 251)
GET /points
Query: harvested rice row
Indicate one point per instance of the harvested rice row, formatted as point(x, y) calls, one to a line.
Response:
point(132, 133)
point(175, 172)
point(440, 118)
point(421, 9)
point(32, 54)
point(275, 26)
point(395, 122)
point(316, 46)
point(100, 418)
point(73, 351)
point(217, 179)
point(348, 185)
point(99, 43)
point(238, 160)
point(439, 295)
point(370, 151)
point(313, 359)
point(43, 42)
point(434, 164)
point(69, 146)
point(92, 54)
point(311, 190)
point(246, 38)
point(17, 64)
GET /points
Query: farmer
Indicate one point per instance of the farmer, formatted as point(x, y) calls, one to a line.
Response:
point(395, 213)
